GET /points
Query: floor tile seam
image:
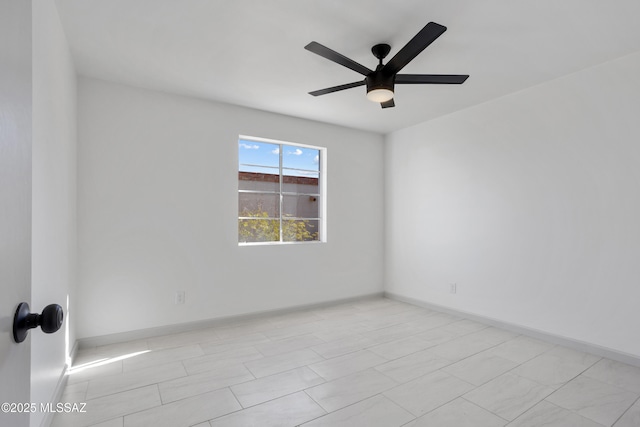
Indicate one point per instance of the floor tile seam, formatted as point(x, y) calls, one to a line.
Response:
point(573, 412)
point(328, 358)
point(208, 371)
point(585, 373)
point(381, 393)
point(379, 328)
point(316, 402)
point(284, 372)
point(280, 354)
point(401, 337)
point(531, 358)
point(569, 380)
point(241, 346)
point(154, 382)
point(318, 374)
point(242, 408)
point(321, 339)
point(280, 397)
point(212, 361)
point(406, 355)
point(122, 343)
point(110, 419)
point(527, 409)
point(84, 392)
point(505, 372)
point(236, 339)
point(288, 350)
point(183, 367)
point(194, 373)
point(210, 391)
point(471, 355)
point(197, 394)
point(133, 371)
point(446, 403)
point(136, 387)
point(279, 372)
point(421, 415)
point(355, 403)
point(420, 376)
point(600, 382)
point(171, 347)
point(136, 412)
point(624, 413)
point(345, 375)
point(355, 334)
point(386, 341)
point(491, 412)
point(536, 403)
point(179, 359)
point(339, 377)
point(189, 397)
point(535, 382)
point(235, 397)
point(292, 323)
point(401, 383)
point(263, 355)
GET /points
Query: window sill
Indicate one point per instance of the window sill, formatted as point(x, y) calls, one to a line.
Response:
point(315, 242)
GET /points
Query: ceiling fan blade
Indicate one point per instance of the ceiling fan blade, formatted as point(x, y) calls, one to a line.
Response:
point(388, 104)
point(417, 44)
point(336, 88)
point(438, 79)
point(336, 57)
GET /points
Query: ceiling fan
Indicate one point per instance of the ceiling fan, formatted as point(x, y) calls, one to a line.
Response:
point(380, 83)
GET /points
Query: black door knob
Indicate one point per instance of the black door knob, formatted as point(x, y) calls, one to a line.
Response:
point(50, 320)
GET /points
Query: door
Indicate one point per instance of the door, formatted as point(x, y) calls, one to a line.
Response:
point(15, 202)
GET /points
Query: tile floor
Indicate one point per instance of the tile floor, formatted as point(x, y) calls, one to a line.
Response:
point(374, 362)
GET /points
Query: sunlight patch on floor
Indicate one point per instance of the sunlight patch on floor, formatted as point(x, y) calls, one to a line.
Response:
point(104, 361)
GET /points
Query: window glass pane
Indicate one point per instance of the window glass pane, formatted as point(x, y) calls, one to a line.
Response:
point(258, 154)
point(259, 205)
point(301, 206)
point(264, 180)
point(300, 159)
point(301, 184)
point(278, 192)
point(300, 230)
point(258, 230)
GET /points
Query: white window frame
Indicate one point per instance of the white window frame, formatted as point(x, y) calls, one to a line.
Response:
point(322, 189)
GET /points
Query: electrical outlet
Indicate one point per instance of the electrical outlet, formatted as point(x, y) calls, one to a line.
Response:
point(180, 295)
point(453, 288)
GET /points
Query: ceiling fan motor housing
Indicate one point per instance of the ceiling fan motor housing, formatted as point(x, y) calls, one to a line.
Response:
point(380, 80)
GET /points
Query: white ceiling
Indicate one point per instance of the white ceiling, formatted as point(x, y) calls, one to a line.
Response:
point(251, 52)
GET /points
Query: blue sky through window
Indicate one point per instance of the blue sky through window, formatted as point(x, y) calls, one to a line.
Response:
point(267, 154)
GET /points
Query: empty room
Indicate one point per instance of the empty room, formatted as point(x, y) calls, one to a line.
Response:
point(319, 213)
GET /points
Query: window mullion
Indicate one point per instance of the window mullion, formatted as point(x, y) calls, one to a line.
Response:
point(281, 189)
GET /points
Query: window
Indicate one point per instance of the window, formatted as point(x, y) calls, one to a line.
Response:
point(280, 192)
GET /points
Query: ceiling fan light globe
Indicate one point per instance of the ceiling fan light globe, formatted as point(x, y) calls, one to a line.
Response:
point(380, 95)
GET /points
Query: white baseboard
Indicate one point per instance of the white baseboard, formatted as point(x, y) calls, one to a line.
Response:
point(586, 347)
point(57, 395)
point(208, 323)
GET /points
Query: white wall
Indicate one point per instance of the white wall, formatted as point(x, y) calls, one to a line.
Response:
point(53, 198)
point(157, 204)
point(15, 199)
point(530, 203)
